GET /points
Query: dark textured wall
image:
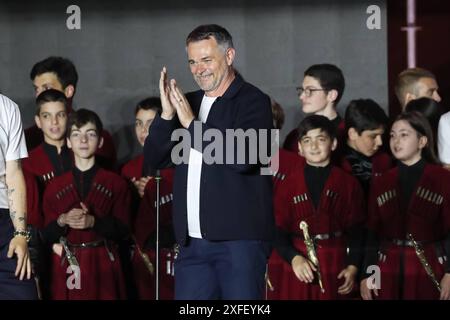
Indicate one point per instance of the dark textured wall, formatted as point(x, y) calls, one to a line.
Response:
point(122, 46)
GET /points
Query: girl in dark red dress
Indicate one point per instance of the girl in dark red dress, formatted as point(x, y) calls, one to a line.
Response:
point(409, 212)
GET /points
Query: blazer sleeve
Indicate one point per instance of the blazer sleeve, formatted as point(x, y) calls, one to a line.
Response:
point(158, 145)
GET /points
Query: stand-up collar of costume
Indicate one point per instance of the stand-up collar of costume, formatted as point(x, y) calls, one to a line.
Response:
point(409, 176)
point(315, 178)
point(336, 121)
point(83, 179)
point(415, 169)
point(61, 162)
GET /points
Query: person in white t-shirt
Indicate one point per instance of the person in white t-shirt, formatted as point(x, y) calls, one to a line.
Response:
point(15, 264)
point(443, 140)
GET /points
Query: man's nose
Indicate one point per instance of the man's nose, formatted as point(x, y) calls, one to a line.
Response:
point(200, 68)
point(436, 96)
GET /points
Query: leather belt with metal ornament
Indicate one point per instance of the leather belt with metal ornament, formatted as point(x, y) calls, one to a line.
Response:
point(71, 259)
point(92, 244)
point(406, 243)
point(324, 236)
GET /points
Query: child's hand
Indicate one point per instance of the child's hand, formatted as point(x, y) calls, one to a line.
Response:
point(57, 249)
point(84, 222)
point(366, 292)
point(70, 217)
point(303, 269)
point(80, 218)
point(140, 184)
point(445, 287)
point(84, 208)
point(349, 275)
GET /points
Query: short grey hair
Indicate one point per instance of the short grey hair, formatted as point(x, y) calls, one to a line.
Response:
point(206, 31)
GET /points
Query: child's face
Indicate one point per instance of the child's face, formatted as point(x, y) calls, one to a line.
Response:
point(318, 100)
point(143, 121)
point(84, 141)
point(405, 143)
point(316, 147)
point(368, 142)
point(52, 120)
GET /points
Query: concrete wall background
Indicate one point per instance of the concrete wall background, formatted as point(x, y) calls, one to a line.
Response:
point(122, 46)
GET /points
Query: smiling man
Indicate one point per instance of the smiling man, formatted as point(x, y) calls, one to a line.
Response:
point(222, 213)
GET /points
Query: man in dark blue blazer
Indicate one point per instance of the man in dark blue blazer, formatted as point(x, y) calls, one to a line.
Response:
point(222, 209)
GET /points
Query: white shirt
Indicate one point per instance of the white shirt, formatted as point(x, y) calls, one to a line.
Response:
point(194, 174)
point(12, 142)
point(443, 138)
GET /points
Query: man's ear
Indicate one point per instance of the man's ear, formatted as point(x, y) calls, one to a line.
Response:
point(300, 149)
point(69, 91)
point(37, 120)
point(334, 144)
point(408, 97)
point(230, 54)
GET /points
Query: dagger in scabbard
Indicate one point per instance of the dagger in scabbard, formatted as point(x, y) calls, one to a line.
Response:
point(311, 251)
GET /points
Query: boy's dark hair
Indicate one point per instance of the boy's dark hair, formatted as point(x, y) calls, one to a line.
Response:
point(423, 128)
point(329, 76)
point(63, 68)
point(50, 95)
point(204, 32)
point(316, 122)
point(81, 117)
point(150, 103)
point(365, 114)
